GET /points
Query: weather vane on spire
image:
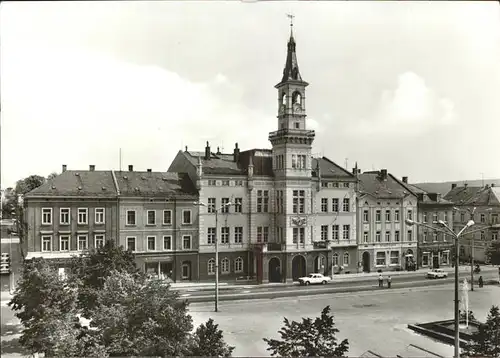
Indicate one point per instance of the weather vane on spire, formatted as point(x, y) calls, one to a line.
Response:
point(290, 16)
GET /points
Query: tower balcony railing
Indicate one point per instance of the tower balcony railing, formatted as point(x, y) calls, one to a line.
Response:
point(291, 131)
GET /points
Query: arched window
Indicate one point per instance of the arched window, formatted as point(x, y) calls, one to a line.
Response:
point(346, 259)
point(296, 98)
point(211, 267)
point(283, 99)
point(225, 265)
point(335, 258)
point(238, 265)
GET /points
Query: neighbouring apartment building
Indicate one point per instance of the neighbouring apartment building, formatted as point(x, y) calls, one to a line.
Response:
point(71, 213)
point(385, 241)
point(291, 214)
point(481, 204)
point(435, 248)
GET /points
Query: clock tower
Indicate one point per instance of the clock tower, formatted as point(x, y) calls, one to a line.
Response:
point(292, 161)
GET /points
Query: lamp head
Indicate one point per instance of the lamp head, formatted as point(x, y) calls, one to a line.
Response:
point(441, 223)
point(410, 222)
point(199, 203)
point(470, 223)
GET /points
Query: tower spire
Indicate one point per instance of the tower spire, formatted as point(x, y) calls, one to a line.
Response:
point(291, 71)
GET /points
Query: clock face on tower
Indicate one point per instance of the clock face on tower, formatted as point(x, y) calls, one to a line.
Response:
point(297, 107)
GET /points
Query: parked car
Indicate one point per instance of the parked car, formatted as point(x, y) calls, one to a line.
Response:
point(437, 273)
point(314, 278)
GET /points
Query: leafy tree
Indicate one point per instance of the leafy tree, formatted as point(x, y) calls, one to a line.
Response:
point(92, 269)
point(139, 317)
point(309, 338)
point(26, 185)
point(52, 175)
point(208, 341)
point(486, 341)
point(493, 253)
point(9, 204)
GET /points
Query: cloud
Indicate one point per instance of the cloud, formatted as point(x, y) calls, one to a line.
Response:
point(79, 107)
point(412, 107)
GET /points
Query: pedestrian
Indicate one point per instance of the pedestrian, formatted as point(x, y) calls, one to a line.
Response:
point(480, 281)
point(380, 281)
point(389, 281)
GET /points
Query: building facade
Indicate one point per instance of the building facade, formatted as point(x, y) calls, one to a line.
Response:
point(482, 205)
point(291, 214)
point(385, 241)
point(71, 213)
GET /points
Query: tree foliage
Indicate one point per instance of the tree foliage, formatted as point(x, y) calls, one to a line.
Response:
point(493, 253)
point(208, 341)
point(309, 338)
point(486, 341)
point(92, 269)
point(26, 185)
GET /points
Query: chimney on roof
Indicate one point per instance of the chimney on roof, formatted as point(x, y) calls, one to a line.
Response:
point(207, 151)
point(64, 167)
point(383, 174)
point(149, 170)
point(453, 186)
point(218, 151)
point(92, 167)
point(186, 148)
point(130, 168)
point(405, 180)
point(359, 171)
point(250, 166)
point(354, 170)
point(438, 197)
point(236, 153)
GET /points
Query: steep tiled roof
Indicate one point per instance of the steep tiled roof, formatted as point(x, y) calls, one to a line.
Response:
point(78, 183)
point(224, 164)
point(390, 188)
point(425, 197)
point(154, 184)
point(462, 195)
point(329, 169)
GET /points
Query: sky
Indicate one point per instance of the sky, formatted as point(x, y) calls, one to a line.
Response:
point(412, 87)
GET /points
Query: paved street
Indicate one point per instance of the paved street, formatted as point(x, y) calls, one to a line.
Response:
point(370, 320)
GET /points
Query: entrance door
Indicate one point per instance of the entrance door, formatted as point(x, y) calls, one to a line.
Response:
point(298, 267)
point(186, 270)
point(274, 270)
point(366, 262)
point(435, 261)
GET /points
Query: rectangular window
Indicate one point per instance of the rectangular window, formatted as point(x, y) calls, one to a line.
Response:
point(212, 182)
point(238, 234)
point(299, 200)
point(302, 235)
point(335, 205)
point(482, 235)
point(346, 232)
point(434, 236)
point(83, 243)
point(335, 185)
point(378, 216)
point(225, 205)
point(462, 217)
point(346, 259)
point(298, 235)
point(130, 217)
point(409, 236)
point(151, 217)
point(365, 216)
point(64, 216)
point(279, 201)
point(424, 236)
point(64, 243)
point(482, 218)
point(410, 215)
point(324, 232)
point(380, 258)
point(387, 215)
point(186, 217)
point(435, 217)
point(238, 205)
point(260, 233)
point(445, 217)
point(224, 235)
point(131, 243)
point(365, 237)
point(396, 215)
point(394, 257)
point(82, 216)
point(425, 217)
point(346, 185)
point(494, 236)
point(378, 236)
point(335, 232)
point(425, 259)
point(396, 236)
point(294, 161)
point(211, 236)
point(151, 243)
point(387, 236)
point(46, 243)
point(186, 242)
point(345, 205)
point(324, 184)
point(167, 243)
point(99, 216)
point(212, 202)
point(324, 205)
point(225, 182)
point(167, 217)
point(238, 182)
point(98, 240)
point(494, 218)
point(47, 216)
point(262, 201)
point(445, 258)
point(266, 234)
point(295, 235)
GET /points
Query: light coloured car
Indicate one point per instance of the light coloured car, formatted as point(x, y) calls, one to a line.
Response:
point(314, 279)
point(437, 273)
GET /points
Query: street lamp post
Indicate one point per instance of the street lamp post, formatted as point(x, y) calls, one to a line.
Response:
point(216, 308)
point(457, 246)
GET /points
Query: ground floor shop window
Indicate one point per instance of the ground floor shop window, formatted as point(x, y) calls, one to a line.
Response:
point(425, 259)
point(380, 258)
point(211, 267)
point(186, 270)
point(225, 265)
point(160, 270)
point(238, 265)
point(335, 259)
point(445, 258)
point(394, 257)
